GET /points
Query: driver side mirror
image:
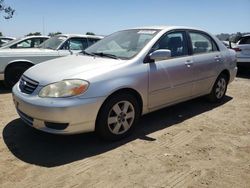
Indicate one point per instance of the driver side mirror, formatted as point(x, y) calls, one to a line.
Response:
point(161, 54)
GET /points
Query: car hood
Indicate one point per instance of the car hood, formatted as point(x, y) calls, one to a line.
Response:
point(71, 67)
point(25, 52)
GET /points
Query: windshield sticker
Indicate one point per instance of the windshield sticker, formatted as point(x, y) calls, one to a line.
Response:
point(149, 32)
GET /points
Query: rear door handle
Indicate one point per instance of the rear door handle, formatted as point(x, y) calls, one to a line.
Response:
point(217, 58)
point(189, 63)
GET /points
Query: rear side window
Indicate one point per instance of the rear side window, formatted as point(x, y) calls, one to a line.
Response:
point(245, 40)
point(201, 43)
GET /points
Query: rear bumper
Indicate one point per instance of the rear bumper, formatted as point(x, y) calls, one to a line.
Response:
point(243, 59)
point(233, 74)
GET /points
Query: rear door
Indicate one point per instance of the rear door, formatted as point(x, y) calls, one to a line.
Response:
point(206, 56)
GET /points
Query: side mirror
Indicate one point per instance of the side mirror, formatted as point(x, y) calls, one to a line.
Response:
point(158, 55)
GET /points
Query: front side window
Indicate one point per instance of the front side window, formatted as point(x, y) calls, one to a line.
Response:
point(75, 44)
point(175, 42)
point(123, 44)
point(92, 41)
point(202, 43)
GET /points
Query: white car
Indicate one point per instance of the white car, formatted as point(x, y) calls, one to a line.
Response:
point(108, 86)
point(25, 42)
point(4, 40)
point(242, 49)
point(13, 62)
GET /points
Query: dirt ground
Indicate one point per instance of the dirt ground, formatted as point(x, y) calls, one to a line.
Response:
point(193, 144)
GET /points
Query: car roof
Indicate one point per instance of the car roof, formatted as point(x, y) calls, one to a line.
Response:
point(35, 36)
point(166, 27)
point(4, 37)
point(247, 35)
point(80, 35)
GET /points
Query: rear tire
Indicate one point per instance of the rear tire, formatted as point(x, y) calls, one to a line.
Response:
point(13, 74)
point(219, 89)
point(117, 117)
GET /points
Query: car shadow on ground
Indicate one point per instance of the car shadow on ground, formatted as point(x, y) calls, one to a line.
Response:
point(3, 89)
point(243, 72)
point(47, 150)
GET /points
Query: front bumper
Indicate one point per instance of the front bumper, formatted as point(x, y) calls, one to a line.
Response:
point(79, 114)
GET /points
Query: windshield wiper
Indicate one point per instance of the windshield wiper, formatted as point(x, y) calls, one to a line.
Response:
point(87, 53)
point(101, 54)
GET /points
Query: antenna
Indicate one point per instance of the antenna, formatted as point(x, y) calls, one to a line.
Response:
point(43, 27)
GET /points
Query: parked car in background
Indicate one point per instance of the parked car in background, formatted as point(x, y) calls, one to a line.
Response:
point(4, 40)
point(242, 49)
point(123, 76)
point(25, 42)
point(13, 62)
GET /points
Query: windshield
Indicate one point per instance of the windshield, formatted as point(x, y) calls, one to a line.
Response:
point(53, 43)
point(123, 44)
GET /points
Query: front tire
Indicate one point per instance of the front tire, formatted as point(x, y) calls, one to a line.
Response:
point(117, 117)
point(219, 89)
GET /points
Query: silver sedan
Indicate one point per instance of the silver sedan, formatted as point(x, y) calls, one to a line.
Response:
point(108, 86)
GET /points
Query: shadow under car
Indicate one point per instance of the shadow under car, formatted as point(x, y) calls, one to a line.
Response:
point(48, 150)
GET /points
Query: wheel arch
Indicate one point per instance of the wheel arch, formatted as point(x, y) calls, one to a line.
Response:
point(226, 73)
point(17, 62)
point(126, 90)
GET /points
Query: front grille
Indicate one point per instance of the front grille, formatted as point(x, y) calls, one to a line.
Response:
point(27, 85)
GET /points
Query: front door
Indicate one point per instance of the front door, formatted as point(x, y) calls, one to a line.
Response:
point(171, 80)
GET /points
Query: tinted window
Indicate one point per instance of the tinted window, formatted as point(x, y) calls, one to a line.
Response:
point(176, 42)
point(245, 40)
point(92, 41)
point(75, 44)
point(202, 43)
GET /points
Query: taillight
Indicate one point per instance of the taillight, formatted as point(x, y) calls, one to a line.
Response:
point(237, 49)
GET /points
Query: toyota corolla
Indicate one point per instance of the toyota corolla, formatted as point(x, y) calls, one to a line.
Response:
point(108, 86)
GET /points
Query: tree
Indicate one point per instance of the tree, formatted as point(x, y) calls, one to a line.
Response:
point(90, 33)
point(235, 37)
point(1, 34)
point(34, 34)
point(52, 34)
point(8, 11)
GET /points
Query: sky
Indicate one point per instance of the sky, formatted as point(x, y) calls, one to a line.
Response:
point(105, 17)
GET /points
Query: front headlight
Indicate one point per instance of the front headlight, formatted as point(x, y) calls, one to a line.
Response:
point(65, 88)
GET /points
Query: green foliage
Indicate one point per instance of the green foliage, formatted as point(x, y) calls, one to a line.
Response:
point(90, 33)
point(8, 11)
point(52, 34)
point(1, 34)
point(34, 34)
